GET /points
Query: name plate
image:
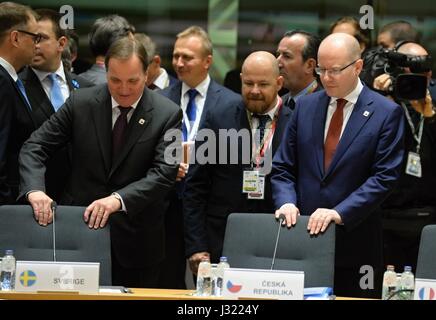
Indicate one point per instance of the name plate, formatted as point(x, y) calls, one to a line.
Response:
point(82, 277)
point(425, 289)
point(259, 283)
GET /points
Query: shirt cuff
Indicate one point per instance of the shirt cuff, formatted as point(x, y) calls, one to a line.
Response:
point(123, 206)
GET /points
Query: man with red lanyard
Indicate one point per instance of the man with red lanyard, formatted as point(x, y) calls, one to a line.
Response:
point(247, 136)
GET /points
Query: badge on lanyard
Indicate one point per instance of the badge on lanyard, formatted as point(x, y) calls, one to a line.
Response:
point(260, 194)
point(250, 181)
point(414, 165)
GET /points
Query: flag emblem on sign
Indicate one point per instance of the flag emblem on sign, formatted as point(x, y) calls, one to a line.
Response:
point(27, 278)
point(426, 294)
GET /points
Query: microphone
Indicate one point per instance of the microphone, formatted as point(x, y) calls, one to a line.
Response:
point(53, 209)
point(282, 218)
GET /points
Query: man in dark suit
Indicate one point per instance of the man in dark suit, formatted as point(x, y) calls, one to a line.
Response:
point(119, 170)
point(17, 48)
point(296, 54)
point(213, 191)
point(192, 58)
point(340, 157)
point(48, 85)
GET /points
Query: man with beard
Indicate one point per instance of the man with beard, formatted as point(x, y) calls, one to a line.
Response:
point(254, 130)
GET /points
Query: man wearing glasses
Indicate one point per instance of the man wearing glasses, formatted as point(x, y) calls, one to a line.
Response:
point(17, 47)
point(340, 157)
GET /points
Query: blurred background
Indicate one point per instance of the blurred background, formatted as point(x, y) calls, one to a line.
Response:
point(238, 27)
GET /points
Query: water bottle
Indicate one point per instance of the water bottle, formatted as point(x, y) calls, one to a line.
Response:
point(389, 282)
point(407, 282)
point(7, 276)
point(204, 278)
point(218, 287)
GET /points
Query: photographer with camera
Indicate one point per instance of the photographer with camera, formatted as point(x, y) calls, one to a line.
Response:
point(412, 204)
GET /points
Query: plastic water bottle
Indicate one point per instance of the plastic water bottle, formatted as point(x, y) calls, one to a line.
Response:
point(389, 282)
point(218, 287)
point(204, 285)
point(407, 282)
point(7, 276)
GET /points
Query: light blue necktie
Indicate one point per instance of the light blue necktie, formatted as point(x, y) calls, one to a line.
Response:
point(56, 97)
point(20, 86)
point(191, 112)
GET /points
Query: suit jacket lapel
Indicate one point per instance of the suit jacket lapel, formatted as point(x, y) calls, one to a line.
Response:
point(362, 111)
point(36, 91)
point(211, 101)
point(318, 126)
point(140, 120)
point(102, 116)
point(175, 93)
point(282, 121)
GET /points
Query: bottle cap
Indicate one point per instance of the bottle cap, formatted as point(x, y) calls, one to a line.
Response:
point(223, 259)
point(9, 252)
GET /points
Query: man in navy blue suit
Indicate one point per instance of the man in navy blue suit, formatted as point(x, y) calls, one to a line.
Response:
point(340, 157)
point(197, 94)
point(213, 191)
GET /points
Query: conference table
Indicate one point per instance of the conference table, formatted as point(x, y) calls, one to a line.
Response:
point(134, 294)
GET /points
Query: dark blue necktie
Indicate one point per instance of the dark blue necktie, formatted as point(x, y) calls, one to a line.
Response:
point(20, 86)
point(191, 112)
point(263, 119)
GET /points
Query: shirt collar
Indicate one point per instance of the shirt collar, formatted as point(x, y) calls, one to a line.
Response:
point(162, 80)
point(9, 68)
point(353, 95)
point(42, 75)
point(201, 87)
point(304, 91)
point(272, 112)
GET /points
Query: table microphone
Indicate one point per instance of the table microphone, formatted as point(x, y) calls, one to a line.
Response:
point(282, 218)
point(53, 209)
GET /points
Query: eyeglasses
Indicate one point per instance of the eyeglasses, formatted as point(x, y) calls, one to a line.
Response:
point(333, 72)
point(36, 36)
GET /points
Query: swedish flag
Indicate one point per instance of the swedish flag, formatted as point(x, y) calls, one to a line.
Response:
point(27, 278)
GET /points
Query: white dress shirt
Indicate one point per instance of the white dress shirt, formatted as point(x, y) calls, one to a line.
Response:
point(46, 82)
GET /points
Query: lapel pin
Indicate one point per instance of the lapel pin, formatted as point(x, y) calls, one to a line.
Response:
point(366, 113)
point(141, 121)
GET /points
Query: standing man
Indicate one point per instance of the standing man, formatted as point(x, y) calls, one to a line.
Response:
point(196, 93)
point(340, 157)
point(116, 132)
point(48, 85)
point(104, 32)
point(296, 54)
point(17, 47)
point(213, 191)
point(157, 77)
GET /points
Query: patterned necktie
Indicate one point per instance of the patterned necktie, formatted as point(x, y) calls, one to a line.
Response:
point(191, 112)
point(334, 133)
point(20, 86)
point(263, 119)
point(290, 103)
point(56, 97)
point(119, 131)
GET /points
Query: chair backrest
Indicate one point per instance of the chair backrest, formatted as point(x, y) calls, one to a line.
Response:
point(75, 242)
point(426, 267)
point(250, 239)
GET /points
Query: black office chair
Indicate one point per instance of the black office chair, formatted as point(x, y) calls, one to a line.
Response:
point(75, 242)
point(250, 239)
point(426, 267)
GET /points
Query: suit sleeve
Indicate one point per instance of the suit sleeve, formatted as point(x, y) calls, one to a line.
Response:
point(284, 166)
point(195, 197)
point(5, 128)
point(160, 177)
point(385, 172)
point(52, 135)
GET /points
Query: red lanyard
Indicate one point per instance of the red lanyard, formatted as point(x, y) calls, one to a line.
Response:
point(260, 152)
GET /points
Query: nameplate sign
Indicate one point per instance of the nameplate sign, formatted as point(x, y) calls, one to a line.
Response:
point(82, 277)
point(425, 289)
point(263, 284)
